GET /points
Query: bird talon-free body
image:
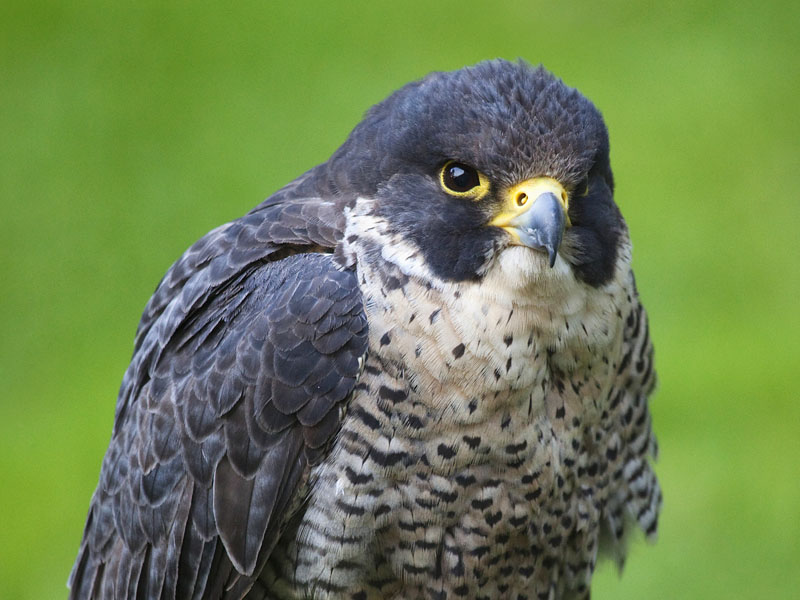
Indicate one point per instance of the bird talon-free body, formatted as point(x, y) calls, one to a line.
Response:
point(420, 370)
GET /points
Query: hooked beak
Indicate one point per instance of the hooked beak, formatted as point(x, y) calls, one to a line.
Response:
point(535, 215)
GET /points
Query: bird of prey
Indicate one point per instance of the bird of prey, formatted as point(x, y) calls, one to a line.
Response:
point(419, 370)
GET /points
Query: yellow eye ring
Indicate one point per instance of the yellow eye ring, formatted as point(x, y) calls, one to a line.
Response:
point(463, 181)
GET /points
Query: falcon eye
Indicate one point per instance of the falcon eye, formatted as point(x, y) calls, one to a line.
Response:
point(459, 179)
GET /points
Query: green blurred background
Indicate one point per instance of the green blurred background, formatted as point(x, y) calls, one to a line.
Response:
point(129, 131)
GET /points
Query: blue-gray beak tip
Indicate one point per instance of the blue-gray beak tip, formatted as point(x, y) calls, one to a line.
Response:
point(543, 225)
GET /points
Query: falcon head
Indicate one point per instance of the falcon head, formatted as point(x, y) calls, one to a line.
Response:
point(497, 160)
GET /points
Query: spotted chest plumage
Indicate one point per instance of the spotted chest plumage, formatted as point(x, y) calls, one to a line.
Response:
point(476, 458)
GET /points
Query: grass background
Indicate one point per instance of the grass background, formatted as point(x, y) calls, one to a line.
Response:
point(127, 131)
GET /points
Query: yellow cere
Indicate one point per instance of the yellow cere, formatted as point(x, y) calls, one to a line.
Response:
point(520, 197)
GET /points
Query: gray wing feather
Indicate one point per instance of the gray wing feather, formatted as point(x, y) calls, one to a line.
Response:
point(286, 218)
point(239, 368)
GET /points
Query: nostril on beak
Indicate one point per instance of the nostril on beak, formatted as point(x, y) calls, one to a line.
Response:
point(522, 199)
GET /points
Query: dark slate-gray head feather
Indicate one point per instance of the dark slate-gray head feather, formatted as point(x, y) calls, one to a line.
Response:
point(510, 121)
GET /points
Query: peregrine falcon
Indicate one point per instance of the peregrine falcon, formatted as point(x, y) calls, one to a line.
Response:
point(419, 370)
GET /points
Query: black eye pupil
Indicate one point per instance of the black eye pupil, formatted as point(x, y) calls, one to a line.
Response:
point(461, 178)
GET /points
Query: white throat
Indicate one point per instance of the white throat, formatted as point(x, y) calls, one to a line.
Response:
point(520, 289)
